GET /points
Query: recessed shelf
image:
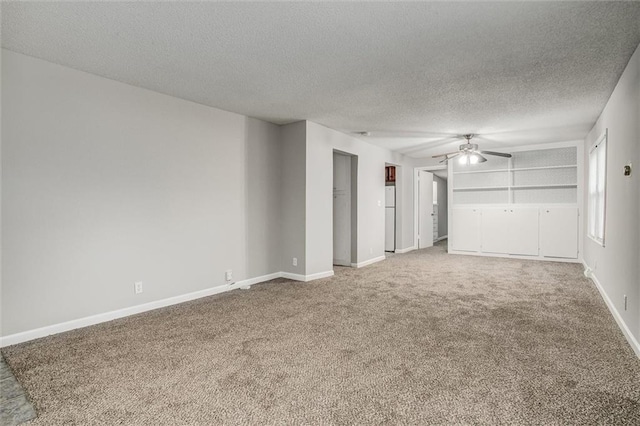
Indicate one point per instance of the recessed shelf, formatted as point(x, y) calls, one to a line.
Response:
point(488, 188)
point(481, 171)
point(481, 188)
point(516, 169)
point(555, 185)
point(548, 176)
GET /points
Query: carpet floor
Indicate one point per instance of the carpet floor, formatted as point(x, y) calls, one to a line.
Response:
point(421, 338)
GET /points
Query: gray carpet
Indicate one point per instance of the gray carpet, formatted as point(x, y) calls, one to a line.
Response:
point(421, 338)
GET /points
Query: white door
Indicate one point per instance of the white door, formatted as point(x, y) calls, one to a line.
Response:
point(425, 209)
point(559, 232)
point(523, 231)
point(341, 210)
point(465, 229)
point(495, 230)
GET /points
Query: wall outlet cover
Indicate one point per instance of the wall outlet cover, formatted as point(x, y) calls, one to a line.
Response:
point(228, 275)
point(137, 287)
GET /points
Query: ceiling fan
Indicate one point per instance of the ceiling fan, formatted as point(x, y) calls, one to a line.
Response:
point(468, 153)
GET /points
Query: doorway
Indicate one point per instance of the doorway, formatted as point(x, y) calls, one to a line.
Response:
point(390, 211)
point(432, 206)
point(345, 175)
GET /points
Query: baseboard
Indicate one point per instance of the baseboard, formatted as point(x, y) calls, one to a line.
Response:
point(306, 278)
point(257, 280)
point(588, 272)
point(444, 237)
point(513, 256)
point(37, 333)
point(406, 250)
point(369, 262)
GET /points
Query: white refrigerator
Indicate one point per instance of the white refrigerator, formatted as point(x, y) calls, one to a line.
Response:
point(390, 218)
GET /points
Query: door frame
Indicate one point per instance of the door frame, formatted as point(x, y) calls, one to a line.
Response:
point(416, 200)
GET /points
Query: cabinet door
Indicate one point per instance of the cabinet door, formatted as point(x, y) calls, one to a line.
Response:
point(559, 232)
point(495, 230)
point(523, 231)
point(466, 229)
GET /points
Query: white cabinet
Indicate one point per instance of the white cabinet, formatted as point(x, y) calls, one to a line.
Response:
point(523, 231)
point(511, 230)
point(494, 230)
point(543, 232)
point(559, 232)
point(466, 234)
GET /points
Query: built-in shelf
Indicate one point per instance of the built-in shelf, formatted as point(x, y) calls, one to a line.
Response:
point(517, 169)
point(481, 188)
point(547, 176)
point(555, 185)
point(488, 188)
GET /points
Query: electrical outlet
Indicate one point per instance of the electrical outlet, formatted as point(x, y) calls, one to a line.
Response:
point(228, 275)
point(137, 287)
point(295, 261)
point(625, 302)
point(379, 203)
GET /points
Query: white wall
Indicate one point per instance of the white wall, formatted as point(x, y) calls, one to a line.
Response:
point(617, 265)
point(263, 198)
point(105, 184)
point(293, 183)
point(321, 141)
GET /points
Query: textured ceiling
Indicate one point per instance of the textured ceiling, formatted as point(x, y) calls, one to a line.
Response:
point(413, 74)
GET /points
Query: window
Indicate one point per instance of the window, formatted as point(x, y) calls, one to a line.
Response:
point(597, 188)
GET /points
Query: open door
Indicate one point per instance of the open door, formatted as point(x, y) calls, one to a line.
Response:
point(341, 209)
point(425, 209)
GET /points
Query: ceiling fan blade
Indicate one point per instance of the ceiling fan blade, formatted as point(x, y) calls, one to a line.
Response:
point(499, 154)
point(481, 159)
point(447, 158)
point(444, 155)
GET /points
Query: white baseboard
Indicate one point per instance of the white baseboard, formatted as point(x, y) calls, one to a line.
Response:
point(616, 315)
point(306, 278)
point(444, 237)
point(369, 262)
point(257, 280)
point(37, 333)
point(513, 256)
point(406, 250)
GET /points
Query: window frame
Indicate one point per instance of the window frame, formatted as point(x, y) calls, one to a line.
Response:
point(600, 209)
